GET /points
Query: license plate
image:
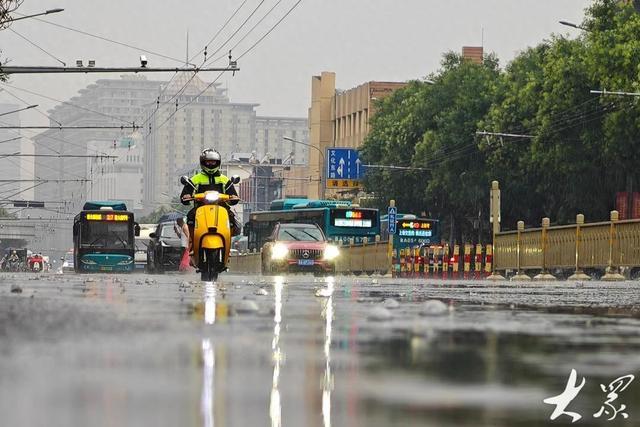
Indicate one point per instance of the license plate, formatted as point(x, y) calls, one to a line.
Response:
point(305, 262)
point(106, 268)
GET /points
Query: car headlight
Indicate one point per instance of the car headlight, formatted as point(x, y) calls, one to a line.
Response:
point(331, 252)
point(279, 251)
point(212, 196)
point(84, 261)
point(125, 262)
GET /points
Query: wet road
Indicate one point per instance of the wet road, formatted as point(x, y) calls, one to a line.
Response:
point(297, 351)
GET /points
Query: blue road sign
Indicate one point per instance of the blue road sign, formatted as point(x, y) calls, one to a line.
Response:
point(344, 163)
point(392, 213)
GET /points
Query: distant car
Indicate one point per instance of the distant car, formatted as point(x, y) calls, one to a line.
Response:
point(164, 251)
point(67, 263)
point(298, 248)
point(142, 244)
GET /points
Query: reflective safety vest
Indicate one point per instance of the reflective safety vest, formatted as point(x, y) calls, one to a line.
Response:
point(203, 183)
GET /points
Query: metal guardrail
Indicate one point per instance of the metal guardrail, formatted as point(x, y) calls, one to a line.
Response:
point(602, 245)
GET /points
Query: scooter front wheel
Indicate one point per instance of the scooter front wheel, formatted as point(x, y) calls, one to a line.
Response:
point(210, 265)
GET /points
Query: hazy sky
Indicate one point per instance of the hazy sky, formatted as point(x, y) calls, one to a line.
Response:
point(360, 40)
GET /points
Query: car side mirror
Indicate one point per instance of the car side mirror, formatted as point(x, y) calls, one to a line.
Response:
point(136, 229)
point(153, 235)
point(184, 180)
point(235, 179)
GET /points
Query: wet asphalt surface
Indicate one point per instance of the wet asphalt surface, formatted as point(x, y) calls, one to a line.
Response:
point(138, 350)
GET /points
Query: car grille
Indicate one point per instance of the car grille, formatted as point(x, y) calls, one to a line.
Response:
point(313, 253)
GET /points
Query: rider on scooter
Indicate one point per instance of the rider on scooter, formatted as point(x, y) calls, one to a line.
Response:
point(209, 179)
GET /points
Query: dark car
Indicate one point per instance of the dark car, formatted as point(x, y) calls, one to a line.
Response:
point(164, 251)
point(298, 248)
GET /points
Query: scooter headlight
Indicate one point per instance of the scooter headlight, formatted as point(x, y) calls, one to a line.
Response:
point(212, 196)
point(331, 252)
point(279, 251)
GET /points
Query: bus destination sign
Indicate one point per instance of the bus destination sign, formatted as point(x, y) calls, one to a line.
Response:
point(107, 217)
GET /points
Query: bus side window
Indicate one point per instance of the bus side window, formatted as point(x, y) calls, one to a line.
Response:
point(75, 229)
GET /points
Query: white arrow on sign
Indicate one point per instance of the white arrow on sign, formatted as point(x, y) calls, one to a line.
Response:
point(340, 169)
point(358, 167)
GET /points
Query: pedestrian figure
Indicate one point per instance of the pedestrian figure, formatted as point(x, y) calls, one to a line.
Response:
point(182, 230)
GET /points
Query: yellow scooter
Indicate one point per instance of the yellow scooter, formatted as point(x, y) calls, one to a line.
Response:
point(212, 232)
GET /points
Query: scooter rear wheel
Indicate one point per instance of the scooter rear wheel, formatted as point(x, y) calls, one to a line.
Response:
point(210, 265)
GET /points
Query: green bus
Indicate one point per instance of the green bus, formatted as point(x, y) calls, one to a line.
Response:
point(339, 220)
point(103, 238)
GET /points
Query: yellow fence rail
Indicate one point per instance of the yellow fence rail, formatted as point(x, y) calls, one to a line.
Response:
point(603, 245)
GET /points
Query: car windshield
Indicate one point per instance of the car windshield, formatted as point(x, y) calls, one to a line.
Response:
point(167, 230)
point(68, 257)
point(141, 244)
point(300, 233)
point(106, 234)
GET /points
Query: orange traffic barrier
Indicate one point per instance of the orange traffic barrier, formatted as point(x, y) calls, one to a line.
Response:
point(488, 261)
point(445, 262)
point(455, 260)
point(477, 267)
point(467, 261)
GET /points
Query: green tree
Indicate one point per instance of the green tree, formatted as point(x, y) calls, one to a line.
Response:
point(432, 126)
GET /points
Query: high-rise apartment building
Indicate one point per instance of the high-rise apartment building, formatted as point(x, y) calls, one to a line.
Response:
point(107, 102)
point(193, 115)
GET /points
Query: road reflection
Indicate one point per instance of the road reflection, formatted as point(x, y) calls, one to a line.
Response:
point(327, 382)
point(275, 406)
point(208, 392)
point(209, 303)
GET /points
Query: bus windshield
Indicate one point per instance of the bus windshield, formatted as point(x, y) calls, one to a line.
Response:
point(106, 234)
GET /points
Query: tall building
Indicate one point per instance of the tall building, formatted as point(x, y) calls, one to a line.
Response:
point(270, 142)
point(194, 115)
point(149, 160)
point(336, 119)
point(121, 178)
point(107, 102)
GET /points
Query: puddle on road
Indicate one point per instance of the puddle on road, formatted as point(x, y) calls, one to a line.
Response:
point(309, 356)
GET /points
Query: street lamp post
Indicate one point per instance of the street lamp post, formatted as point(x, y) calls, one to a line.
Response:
point(572, 25)
point(47, 12)
point(322, 175)
point(18, 110)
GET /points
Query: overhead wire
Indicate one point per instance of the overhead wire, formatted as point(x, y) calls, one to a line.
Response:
point(34, 44)
point(213, 60)
point(28, 103)
point(106, 39)
point(180, 91)
point(70, 104)
point(250, 30)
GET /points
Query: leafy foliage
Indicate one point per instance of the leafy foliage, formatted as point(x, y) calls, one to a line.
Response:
point(577, 151)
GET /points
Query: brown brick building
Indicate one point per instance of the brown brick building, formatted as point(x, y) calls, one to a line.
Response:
point(336, 119)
